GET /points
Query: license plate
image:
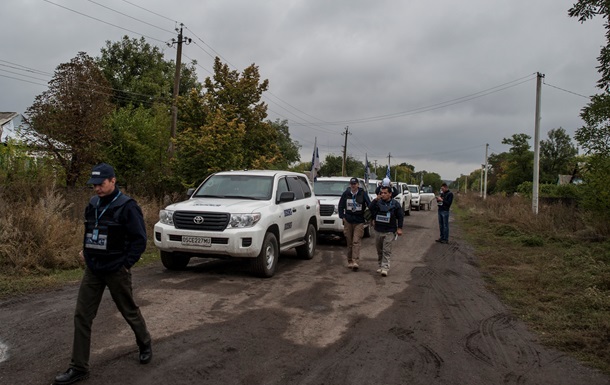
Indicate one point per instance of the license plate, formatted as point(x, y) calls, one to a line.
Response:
point(196, 241)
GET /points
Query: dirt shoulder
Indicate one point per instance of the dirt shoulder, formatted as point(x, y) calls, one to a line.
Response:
point(431, 321)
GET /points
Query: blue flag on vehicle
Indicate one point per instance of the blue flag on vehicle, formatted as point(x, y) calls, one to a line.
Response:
point(387, 173)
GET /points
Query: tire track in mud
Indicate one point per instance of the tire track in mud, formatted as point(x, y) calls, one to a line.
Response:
point(494, 344)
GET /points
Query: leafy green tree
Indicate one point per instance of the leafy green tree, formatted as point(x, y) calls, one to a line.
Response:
point(556, 155)
point(139, 74)
point(594, 137)
point(138, 149)
point(289, 150)
point(238, 97)
point(333, 166)
point(519, 166)
point(433, 179)
point(210, 148)
point(69, 120)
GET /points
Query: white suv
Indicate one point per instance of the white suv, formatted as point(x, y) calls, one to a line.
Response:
point(250, 214)
point(329, 190)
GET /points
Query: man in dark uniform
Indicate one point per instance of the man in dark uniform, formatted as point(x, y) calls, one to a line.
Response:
point(388, 218)
point(115, 238)
point(444, 201)
point(352, 204)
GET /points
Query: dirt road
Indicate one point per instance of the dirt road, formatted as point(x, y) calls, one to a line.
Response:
point(431, 321)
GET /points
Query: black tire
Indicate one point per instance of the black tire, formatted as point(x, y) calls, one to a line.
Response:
point(174, 261)
point(264, 265)
point(308, 250)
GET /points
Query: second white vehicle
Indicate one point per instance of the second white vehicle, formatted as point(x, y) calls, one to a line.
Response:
point(328, 190)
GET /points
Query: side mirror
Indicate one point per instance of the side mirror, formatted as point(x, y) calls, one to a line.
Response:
point(190, 192)
point(287, 196)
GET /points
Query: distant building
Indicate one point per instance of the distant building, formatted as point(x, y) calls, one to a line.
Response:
point(9, 123)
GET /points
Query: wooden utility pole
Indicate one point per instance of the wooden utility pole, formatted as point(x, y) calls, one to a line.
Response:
point(537, 144)
point(176, 87)
point(486, 167)
point(343, 167)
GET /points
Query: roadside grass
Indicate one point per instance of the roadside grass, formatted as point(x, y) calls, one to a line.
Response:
point(41, 235)
point(552, 269)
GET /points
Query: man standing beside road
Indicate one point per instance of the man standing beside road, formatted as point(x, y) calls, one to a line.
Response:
point(352, 204)
point(388, 219)
point(115, 238)
point(444, 203)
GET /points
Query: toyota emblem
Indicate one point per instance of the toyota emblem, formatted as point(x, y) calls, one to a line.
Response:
point(198, 219)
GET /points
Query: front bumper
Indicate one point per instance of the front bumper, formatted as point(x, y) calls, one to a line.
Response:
point(239, 242)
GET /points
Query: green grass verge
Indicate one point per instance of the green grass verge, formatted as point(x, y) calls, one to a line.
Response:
point(558, 285)
point(16, 284)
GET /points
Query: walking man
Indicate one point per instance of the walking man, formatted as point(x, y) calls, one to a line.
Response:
point(115, 238)
point(352, 204)
point(388, 219)
point(444, 201)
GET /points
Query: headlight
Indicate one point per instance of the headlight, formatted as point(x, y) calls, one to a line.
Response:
point(166, 217)
point(336, 210)
point(244, 220)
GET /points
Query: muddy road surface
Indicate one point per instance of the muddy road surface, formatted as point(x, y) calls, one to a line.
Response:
point(431, 321)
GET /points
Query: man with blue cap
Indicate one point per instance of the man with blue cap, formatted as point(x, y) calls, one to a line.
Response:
point(115, 238)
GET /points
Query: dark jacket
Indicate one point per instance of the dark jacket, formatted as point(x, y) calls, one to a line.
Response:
point(447, 201)
point(385, 223)
point(353, 213)
point(119, 238)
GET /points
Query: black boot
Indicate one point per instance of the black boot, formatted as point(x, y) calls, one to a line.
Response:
point(146, 353)
point(71, 376)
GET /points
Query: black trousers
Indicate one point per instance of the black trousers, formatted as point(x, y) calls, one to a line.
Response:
point(89, 297)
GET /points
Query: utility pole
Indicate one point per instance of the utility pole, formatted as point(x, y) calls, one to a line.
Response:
point(486, 167)
point(481, 192)
point(343, 167)
point(466, 185)
point(376, 168)
point(176, 87)
point(537, 144)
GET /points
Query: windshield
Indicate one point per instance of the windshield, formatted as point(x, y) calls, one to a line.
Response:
point(330, 187)
point(253, 187)
point(372, 188)
point(427, 190)
point(413, 189)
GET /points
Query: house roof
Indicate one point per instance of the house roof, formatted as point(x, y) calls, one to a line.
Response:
point(6, 117)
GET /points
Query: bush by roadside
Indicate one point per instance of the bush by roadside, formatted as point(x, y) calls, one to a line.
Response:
point(553, 269)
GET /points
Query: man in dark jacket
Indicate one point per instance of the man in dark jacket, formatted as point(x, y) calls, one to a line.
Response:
point(352, 204)
point(388, 219)
point(444, 203)
point(115, 238)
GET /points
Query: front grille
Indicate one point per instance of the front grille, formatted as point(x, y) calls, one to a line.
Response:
point(327, 210)
point(215, 240)
point(211, 221)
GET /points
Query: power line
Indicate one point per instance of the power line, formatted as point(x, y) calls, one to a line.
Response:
point(131, 17)
point(564, 90)
point(147, 10)
point(103, 21)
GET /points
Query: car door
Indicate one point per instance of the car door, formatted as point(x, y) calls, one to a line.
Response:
point(297, 227)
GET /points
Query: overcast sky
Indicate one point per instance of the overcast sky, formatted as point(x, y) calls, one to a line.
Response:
point(428, 81)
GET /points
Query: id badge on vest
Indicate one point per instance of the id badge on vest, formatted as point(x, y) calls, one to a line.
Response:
point(383, 218)
point(95, 240)
point(353, 206)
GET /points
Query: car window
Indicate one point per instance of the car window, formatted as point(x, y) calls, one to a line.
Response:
point(295, 186)
point(413, 189)
point(282, 186)
point(305, 187)
point(236, 186)
point(330, 187)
